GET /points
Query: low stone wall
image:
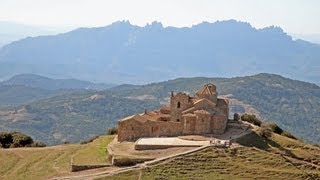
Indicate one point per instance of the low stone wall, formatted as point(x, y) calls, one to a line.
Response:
point(75, 168)
point(128, 161)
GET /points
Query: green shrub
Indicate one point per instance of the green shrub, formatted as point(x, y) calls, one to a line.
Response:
point(251, 118)
point(236, 117)
point(273, 127)
point(38, 144)
point(288, 134)
point(17, 139)
point(21, 140)
point(5, 139)
point(112, 131)
point(265, 132)
point(89, 140)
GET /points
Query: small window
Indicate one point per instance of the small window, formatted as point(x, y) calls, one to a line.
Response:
point(178, 105)
point(132, 128)
point(178, 120)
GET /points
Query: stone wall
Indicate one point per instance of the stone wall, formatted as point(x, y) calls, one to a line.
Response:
point(203, 124)
point(125, 161)
point(131, 130)
point(219, 124)
point(223, 105)
point(189, 122)
point(179, 103)
point(75, 168)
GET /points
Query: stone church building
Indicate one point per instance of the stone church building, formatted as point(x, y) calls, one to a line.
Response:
point(202, 114)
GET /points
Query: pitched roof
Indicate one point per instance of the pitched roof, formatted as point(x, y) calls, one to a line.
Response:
point(201, 111)
point(207, 89)
point(136, 117)
point(189, 115)
point(203, 100)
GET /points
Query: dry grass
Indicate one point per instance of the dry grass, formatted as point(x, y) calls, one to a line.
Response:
point(94, 152)
point(218, 163)
point(42, 163)
point(125, 152)
point(259, 158)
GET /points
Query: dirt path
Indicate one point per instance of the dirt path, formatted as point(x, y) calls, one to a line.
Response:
point(142, 165)
point(125, 169)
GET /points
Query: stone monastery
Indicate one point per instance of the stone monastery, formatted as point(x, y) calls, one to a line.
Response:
point(202, 114)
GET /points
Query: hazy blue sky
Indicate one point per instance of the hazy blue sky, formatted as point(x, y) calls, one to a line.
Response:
point(294, 16)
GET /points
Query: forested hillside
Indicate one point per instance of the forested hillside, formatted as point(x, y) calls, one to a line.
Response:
point(71, 117)
point(293, 105)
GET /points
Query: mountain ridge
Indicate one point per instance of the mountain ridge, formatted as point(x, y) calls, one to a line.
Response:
point(26, 88)
point(126, 53)
point(38, 81)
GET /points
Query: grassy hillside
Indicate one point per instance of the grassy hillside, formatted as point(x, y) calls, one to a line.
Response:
point(42, 163)
point(277, 157)
point(293, 105)
point(253, 156)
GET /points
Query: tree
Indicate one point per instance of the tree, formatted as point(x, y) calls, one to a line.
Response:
point(17, 139)
point(236, 117)
point(112, 131)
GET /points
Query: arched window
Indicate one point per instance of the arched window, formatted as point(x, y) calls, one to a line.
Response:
point(178, 105)
point(178, 120)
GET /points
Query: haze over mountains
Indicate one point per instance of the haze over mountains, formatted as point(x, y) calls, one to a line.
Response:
point(25, 88)
point(124, 53)
point(37, 81)
point(11, 31)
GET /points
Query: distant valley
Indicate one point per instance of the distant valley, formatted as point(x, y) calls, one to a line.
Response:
point(25, 88)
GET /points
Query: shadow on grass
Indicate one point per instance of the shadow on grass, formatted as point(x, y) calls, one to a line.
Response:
point(254, 140)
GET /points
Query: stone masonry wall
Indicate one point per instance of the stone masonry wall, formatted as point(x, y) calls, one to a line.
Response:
point(203, 124)
point(131, 130)
point(179, 103)
point(189, 124)
point(218, 124)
